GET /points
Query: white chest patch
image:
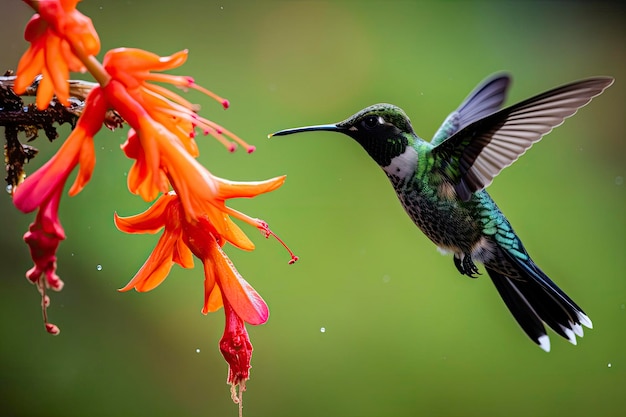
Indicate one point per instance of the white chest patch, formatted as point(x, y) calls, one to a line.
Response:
point(404, 164)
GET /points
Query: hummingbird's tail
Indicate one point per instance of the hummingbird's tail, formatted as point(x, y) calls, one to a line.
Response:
point(534, 299)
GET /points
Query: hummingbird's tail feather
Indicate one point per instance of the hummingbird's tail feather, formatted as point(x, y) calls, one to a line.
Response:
point(521, 309)
point(534, 299)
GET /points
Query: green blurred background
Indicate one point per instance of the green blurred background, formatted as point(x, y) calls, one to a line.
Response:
point(404, 333)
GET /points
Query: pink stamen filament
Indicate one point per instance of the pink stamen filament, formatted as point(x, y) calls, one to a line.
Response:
point(262, 226)
point(184, 82)
point(158, 90)
point(166, 99)
point(45, 302)
point(249, 148)
point(267, 232)
point(225, 103)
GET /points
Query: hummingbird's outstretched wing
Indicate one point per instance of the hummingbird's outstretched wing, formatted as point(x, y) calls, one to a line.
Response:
point(472, 157)
point(485, 99)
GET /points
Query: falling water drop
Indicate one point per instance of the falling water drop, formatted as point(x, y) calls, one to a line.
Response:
point(198, 350)
point(323, 330)
point(99, 267)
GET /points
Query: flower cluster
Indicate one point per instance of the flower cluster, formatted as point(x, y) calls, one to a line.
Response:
point(190, 203)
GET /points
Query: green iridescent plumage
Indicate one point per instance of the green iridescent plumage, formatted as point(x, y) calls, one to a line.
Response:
point(441, 186)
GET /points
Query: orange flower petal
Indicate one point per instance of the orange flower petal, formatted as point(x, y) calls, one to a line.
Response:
point(236, 189)
point(57, 70)
point(182, 254)
point(235, 236)
point(244, 299)
point(157, 266)
point(209, 284)
point(45, 90)
point(215, 301)
point(150, 221)
point(28, 68)
point(87, 161)
point(91, 121)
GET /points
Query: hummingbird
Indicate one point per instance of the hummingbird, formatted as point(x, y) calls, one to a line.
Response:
point(441, 185)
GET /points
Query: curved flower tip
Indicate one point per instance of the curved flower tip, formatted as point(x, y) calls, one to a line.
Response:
point(246, 189)
point(150, 221)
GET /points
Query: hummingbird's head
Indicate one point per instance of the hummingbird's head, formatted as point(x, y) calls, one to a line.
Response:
point(383, 130)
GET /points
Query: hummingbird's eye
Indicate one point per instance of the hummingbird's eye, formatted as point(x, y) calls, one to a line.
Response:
point(371, 122)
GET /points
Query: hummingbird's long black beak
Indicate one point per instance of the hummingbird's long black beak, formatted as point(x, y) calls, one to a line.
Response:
point(328, 128)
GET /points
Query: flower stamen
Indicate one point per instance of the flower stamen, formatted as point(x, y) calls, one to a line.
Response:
point(267, 232)
point(237, 395)
point(53, 329)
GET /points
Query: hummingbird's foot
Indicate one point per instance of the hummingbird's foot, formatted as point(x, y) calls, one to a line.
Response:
point(465, 265)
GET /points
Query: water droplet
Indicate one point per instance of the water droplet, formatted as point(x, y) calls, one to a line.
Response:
point(9, 188)
point(619, 180)
point(323, 330)
point(99, 267)
point(609, 365)
point(198, 350)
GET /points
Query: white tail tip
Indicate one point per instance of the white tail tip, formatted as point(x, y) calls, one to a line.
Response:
point(544, 342)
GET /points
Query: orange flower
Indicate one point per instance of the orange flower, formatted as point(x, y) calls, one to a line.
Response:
point(162, 122)
point(60, 36)
point(203, 236)
point(223, 285)
point(43, 190)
